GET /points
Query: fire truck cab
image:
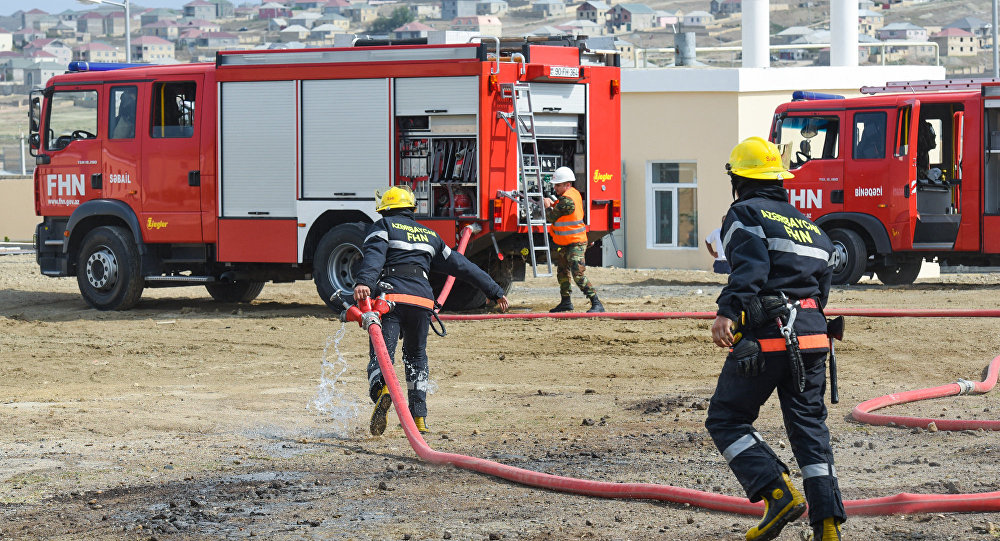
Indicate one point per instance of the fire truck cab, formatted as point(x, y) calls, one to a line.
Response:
point(264, 165)
point(896, 178)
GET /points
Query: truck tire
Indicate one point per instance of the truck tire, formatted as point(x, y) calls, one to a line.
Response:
point(851, 256)
point(109, 272)
point(239, 291)
point(465, 296)
point(900, 275)
point(337, 258)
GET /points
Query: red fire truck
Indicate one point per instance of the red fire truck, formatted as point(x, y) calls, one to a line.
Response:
point(910, 173)
point(264, 165)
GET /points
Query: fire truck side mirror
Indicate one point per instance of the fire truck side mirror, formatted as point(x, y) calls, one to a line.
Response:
point(34, 114)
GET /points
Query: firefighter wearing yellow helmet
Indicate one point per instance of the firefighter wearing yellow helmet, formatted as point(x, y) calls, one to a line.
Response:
point(770, 317)
point(399, 254)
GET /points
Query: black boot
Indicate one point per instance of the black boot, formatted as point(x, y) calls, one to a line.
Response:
point(595, 305)
point(565, 306)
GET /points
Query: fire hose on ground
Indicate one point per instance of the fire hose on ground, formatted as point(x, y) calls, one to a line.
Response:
point(368, 316)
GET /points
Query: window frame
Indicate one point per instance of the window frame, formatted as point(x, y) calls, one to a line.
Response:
point(856, 141)
point(111, 111)
point(49, 137)
point(153, 126)
point(651, 188)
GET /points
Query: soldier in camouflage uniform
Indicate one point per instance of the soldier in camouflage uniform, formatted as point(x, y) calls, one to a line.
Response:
point(569, 232)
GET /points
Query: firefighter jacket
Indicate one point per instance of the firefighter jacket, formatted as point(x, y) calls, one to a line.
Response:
point(399, 254)
point(568, 228)
point(774, 249)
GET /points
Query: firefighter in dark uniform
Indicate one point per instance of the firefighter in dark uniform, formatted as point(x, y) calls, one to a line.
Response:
point(770, 315)
point(398, 256)
point(569, 232)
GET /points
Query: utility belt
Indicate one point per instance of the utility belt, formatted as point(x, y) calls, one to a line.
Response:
point(781, 311)
point(405, 270)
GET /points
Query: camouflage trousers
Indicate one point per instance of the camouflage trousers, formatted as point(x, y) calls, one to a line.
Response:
point(570, 263)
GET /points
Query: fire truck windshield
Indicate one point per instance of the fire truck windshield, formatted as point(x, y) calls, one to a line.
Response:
point(72, 116)
point(809, 138)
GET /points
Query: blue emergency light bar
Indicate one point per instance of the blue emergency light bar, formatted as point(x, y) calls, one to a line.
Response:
point(800, 95)
point(100, 66)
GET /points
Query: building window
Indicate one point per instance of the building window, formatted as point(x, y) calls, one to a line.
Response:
point(672, 205)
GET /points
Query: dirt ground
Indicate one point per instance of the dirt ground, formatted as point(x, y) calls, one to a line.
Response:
point(188, 419)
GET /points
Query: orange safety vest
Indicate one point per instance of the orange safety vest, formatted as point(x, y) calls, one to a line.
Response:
point(570, 229)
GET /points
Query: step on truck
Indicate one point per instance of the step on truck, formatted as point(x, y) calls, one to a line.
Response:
point(908, 173)
point(263, 166)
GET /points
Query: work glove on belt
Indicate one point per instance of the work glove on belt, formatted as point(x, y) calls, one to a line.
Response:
point(759, 311)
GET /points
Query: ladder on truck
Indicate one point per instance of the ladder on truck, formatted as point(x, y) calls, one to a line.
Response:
point(529, 193)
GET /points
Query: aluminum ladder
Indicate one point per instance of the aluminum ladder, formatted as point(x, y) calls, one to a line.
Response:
point(530, 178)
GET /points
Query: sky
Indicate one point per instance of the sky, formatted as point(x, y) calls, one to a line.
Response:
point(55, 6)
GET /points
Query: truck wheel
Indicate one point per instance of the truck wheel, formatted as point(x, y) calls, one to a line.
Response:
point(900, 275)
point(338, 256)
point(108, 269)
point(465, 296)
point(850, 256)
point(238, 291)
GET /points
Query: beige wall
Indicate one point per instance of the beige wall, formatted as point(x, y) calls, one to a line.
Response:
point(693, 126)
point(17, 209)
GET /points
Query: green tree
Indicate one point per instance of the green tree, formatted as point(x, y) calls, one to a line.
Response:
point(384, 25)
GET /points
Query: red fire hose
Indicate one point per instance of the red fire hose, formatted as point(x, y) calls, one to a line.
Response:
point(711, 315)
point(900, 503)
point(862, 412)
point(463, 241)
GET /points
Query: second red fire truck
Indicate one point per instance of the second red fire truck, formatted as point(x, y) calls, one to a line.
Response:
point(264, 166)
point(908, 174)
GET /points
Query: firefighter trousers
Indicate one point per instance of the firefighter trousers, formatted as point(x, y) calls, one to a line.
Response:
point(411, 324)
point(736, 405)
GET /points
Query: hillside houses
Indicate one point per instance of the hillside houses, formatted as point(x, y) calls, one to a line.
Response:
point(198, 28)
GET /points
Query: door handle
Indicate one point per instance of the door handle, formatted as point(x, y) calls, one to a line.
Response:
point(194, 178)
point(95, 181)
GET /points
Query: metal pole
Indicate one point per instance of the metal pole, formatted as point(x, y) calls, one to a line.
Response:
point(24, 171)
point(128, 34)
point(996, 54)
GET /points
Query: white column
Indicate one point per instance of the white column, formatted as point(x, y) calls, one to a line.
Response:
point(756, 38)
point(843, 32)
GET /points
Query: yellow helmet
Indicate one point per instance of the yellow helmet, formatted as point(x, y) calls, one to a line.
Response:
point(397, 197)
point(758, 159)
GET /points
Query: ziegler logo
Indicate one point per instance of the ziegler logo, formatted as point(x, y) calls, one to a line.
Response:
point(151, 224)
point(868, 192)
point(601, 177)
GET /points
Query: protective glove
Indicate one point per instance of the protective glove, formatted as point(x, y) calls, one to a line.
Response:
point(746, 355)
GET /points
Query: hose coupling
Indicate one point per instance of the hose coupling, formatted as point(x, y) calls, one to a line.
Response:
point(965, 386)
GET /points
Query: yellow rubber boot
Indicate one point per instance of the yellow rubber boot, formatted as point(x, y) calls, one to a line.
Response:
point(382, 405)
point(828, 530)
point(782, 504)
point(421, 425)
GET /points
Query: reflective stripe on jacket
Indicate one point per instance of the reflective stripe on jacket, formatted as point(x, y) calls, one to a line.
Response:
point(570, 229)
point(398, 241)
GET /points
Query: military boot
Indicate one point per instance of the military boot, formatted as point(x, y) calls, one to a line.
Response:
point(565, 306)
point(828, 530)
point(595, 305)
point(382, 405)
point(782, 504)
point(421, 425)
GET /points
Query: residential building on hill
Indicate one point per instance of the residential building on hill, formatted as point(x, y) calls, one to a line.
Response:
point(956, 42)
point(630, 17)
point(152, 49)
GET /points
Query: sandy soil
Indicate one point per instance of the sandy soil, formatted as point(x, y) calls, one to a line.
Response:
point(188, 419)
